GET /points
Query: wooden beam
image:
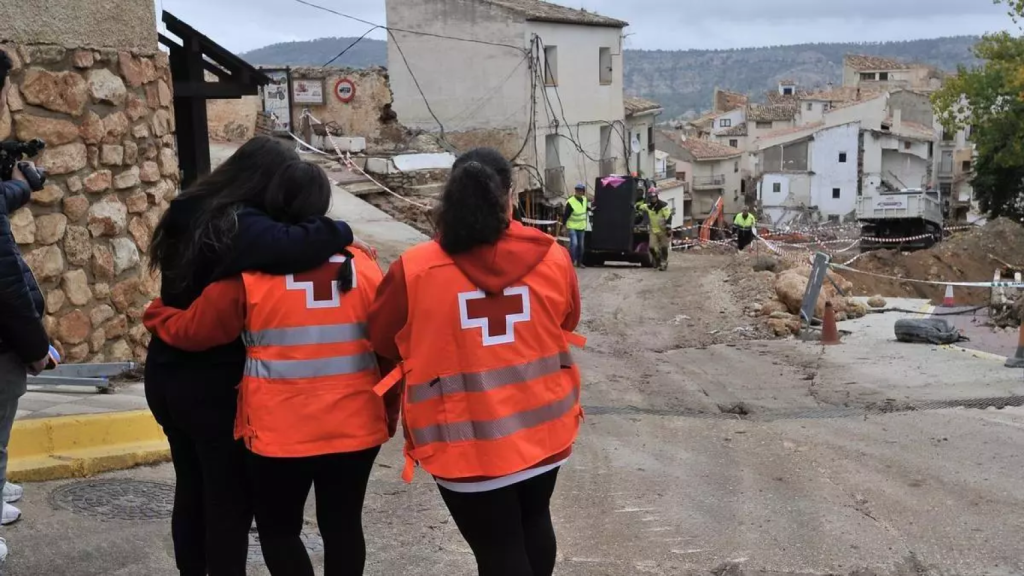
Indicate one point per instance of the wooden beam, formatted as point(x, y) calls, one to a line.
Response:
point(213, 90)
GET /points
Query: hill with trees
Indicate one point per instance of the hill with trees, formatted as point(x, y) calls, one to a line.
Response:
point(681, 80)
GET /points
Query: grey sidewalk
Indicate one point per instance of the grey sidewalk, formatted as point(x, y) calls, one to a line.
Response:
point(44, 402)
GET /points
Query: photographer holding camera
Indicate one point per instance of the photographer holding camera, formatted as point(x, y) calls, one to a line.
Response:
point(24, 345)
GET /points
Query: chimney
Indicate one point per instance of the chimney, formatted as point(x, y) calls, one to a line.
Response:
point(829, 86)
point(897, 118)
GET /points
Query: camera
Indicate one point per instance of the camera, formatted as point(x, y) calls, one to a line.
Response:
point(13, 152)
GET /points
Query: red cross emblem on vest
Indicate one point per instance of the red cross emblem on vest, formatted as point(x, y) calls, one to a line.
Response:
point(319, 284)
point(495, 315)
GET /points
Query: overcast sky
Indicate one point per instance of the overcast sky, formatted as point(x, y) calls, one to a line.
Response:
point(242, 25)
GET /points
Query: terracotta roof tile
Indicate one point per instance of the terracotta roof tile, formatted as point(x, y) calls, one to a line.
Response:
point(861, 62)
point(773, 97)
point(708, 150)
point(635, 105)
point(548, 12)
point(771, 112)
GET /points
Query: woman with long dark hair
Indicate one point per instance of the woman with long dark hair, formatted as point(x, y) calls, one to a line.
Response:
point(216, 229)
point(306, 410)
point(481, 320)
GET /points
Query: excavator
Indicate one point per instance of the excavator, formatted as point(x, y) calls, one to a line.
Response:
point(714, 220)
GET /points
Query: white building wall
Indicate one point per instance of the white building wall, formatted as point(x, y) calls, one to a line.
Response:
point(789, 203)
point(829, 173)
point(733, 118)
point(461, 81)
point(639, 126)
point(869, 113)
point(810, 111)
point(587, 103)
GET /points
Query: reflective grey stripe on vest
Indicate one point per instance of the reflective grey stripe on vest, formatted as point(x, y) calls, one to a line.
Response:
point(291, 369)
point(489, 379)
point(495, 429)
point(305, 335)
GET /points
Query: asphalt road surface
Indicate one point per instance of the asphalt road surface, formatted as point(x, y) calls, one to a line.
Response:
point(705, 450)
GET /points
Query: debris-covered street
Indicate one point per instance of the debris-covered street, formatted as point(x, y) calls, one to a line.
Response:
point(708, 448)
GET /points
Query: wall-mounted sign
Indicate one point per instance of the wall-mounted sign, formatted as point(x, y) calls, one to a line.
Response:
point(345, 90)
point(308, 91)
point(276, 100)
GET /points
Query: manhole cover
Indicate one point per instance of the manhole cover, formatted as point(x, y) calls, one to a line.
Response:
point(116, 499)
point(310, 537)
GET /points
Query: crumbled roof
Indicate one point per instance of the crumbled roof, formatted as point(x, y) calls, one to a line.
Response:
point(774, 97)
point(792, 130)
point(547, 12)
point(708, 150)
point(861, 62)
point(726, 101)
point(771, 112)
point(635, 105)
point(704, 122)
point(670, 142)
point(738, 130)
point(839, 94)
point(912, 130)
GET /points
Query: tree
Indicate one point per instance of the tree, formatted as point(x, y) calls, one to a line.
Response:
point(989, 99)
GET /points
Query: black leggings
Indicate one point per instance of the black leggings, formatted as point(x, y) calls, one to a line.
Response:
point(509, 529)
point(280, 489)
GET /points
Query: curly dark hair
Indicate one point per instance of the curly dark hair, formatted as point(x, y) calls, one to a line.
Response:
point(474, 208)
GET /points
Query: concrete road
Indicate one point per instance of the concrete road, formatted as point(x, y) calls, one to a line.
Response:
point(704, 452)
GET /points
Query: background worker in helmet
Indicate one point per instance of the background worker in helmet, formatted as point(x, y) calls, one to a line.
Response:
point(659, 216)
point(307, 412)
point(574, 219)
point(744, 224)
point(481, 320)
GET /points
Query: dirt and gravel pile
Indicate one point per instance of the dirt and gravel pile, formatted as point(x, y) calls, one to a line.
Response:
point(773, 290)
point(970, 256)
point(1012, 316)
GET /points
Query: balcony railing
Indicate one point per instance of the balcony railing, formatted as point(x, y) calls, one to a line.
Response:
point(608, 166)
point(705, 182)
point(554, 181)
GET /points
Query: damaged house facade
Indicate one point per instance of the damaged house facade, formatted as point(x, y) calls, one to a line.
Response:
point(815, 172)
point(540, 82)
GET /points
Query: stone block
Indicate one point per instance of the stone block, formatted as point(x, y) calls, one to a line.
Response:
point(102, 262)
point(65, 92)
point(137, 202)
point(131, 152)
point(115, 126)
point(47, 263)
point(101, 314)
point(163, 123)
point(126, 254)
point(150, 172)
point(50, 228)
point(53, 131)
point(75, 284)
point(136, 108)
point(111, 155)
point(99, 181)
point(73, 327)
point(76, 207)
point(51, 195)
point(83, 59)
point(54, 301)
point(74, 184)
point(123, 294)
point(106, 88)
point(116, 327)
point(91, 130)
point(136, 71)
point(23, 226)
point(127, 179)
point(108, 217)
point(168, 162)
point(64, 159)
point(77, 245)
point(141, 234)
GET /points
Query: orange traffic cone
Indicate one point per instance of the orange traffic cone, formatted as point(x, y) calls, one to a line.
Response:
point(1017, 360)
point(948, 301)
point(829, 330)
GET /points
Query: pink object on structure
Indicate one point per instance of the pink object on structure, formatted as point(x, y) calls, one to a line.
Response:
point(613, 181)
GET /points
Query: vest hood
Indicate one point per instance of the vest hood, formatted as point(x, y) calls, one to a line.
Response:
point(495, 267)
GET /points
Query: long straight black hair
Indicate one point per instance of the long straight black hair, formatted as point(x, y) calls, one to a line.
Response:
point(240, 181)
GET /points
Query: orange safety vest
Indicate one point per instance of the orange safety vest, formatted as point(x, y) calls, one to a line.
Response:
point(490, 386)
point(309, 369)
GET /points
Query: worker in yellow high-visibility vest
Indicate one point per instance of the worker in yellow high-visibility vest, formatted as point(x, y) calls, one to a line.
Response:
point(659, 217)
point(744, 224)
point(574, 219)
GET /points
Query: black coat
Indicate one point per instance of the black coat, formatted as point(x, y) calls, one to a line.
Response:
point(209, 378)
point(21, 301)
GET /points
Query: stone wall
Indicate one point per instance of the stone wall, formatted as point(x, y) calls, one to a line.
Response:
point(233, 119)
point(107, 119)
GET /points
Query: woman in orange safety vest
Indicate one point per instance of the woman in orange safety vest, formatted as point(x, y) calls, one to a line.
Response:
point(481, 319)
point(306, 408)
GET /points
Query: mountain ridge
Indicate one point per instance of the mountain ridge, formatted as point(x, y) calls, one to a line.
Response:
point(682, 81)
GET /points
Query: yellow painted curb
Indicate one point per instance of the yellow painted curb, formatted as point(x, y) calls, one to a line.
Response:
point(76, 446)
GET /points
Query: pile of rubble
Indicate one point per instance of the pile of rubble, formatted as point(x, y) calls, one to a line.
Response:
point(774, 290)
point(1012, 317)
point(970, 256)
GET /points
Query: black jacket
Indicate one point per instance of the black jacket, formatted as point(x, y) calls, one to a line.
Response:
point(21, 301)
point(260, 244)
